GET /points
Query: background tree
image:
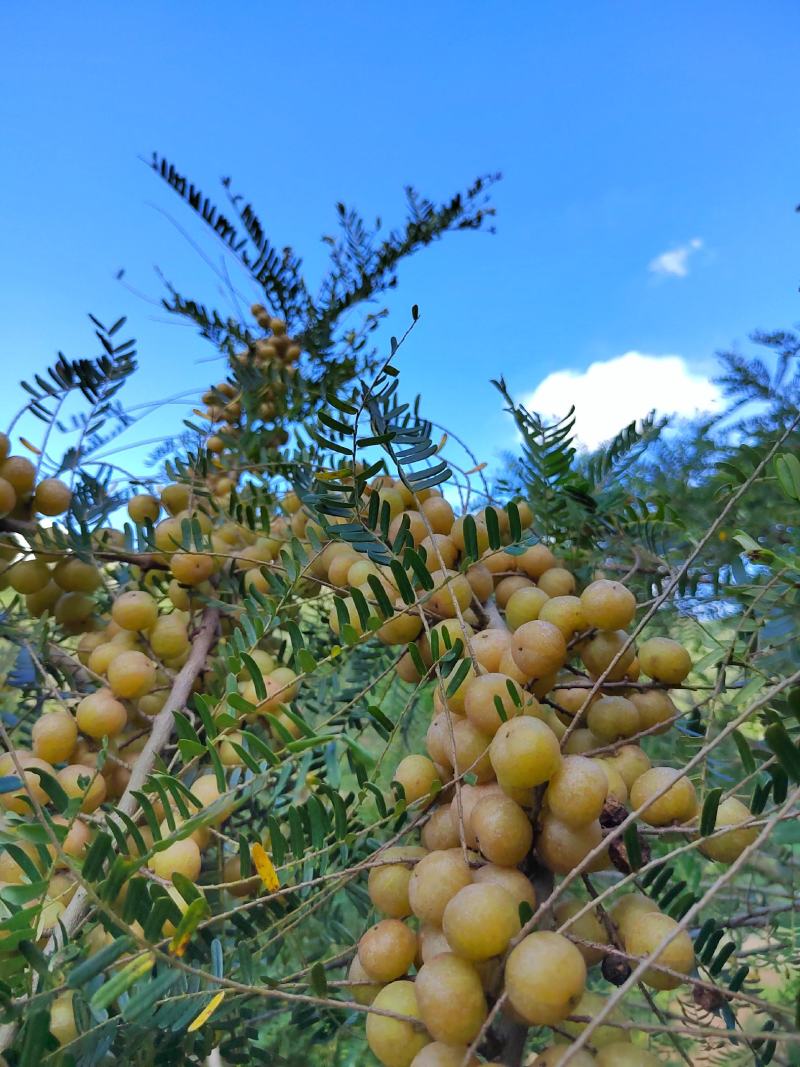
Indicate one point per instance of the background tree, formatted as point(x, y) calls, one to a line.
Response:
point(300, 726)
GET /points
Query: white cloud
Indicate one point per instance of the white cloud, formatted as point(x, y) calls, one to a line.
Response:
point(675, 262)
point(610, 394)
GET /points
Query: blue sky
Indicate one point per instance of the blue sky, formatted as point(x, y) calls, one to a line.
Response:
point(624, 131)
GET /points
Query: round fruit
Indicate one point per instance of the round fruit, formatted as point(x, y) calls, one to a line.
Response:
point(134, 610)
point(655, 707)
point(143, 508)
point(28, 576)
point(192, 568)
point(644, 932)
point(8, 498)
point(439, 832)
point(525, 605)
point(100, 715)
point(54, 735)
point(502, 829)
point(524, 753)
point(664, 660)
point(587, 928)
point(480, 920)
point(62, 1019)
point(387, 950)
point(545, 977)
point(554, 1054)
point(577, 791)
point(417, 775)
point(608, 605)
point(52, 497)
point(565, 612)
point(509, 878)
point(536, 560)
point(623, 1054)
point(181, 857)
point(677, 804)
point(612, 717)
point(538, 648)
point(631, 762)
point(131, 675)
point(19, 800)
point(727, 847)
point(78, 780)
point(451, 1000)
point(388, 884)
point(20, 473)
point(396, 1042)
point(482, 696)
point(363, 990)
point(600, 651)
point(557, 581)
point(434, 881)
point(561, 847)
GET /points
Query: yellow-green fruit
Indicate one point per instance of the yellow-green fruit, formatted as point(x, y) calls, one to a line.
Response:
point(629, 905)
point(557, 581)
point(134, 610)
point(131, 675)
point(608, 605)
point(480, 920)
point(538, 648)
point(434, 881)
point(509, 878)
point(361, 993)
point(553, 1055)
point(439, 831)
point(76, 576)
point(181, 857)
point(20, 473)
point(8, 498)
point(440, 550)
point(396, 1042)
point(617, 790)
point(387, 950)
point(481, 581)
point(169, 636)
point(631, 762)
point(142, 508)
point(175, 497)
point(100, 715)
point(452, 593)
point(451, 1000)
point(73, 608)
point(471, 750)
point(502, 829)
point(590, 1005)
point(524, 753)
point(524, 605)
point(536, 560)
point(577, 791)
point(600, 651)
point(482, 695)
point(19, 800)
point(729, 846)
point(403, 627)
point(613, 717)
point(207, 791)
point(622, 1054)
point(664, 660)
point(588, 928)
point(565, 612)
point(388, 884)
point(45, 600)
point(488, 647)
point(54, 735)
point(417, 775)
point(62, 1019)
point(52, 497)
point(28, 576)
point(438, 513)
point(545, 977)
point(677, 804)
point(192, 568)
point(561, 847)
point(655, 708)
point(644, 932)
point(506, 587)
point(81, 781)
point(437, 1054)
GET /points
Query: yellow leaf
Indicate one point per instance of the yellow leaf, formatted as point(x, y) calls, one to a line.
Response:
point(31, 448)
point(476, 469)
point(207, 1012)
point(264, 867)
point(442, 443)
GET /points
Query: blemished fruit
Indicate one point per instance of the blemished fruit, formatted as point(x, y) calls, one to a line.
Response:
point(545, 976)
point(451, 1000)
point(664, 660)
point(728, 846)
point(538, 648)
point(396, 1042)
point(502, 830)
point(678, 801)
point(387, 950)
point(480, 920)
point(608, 605)
point(134, 610)
point(482, 696)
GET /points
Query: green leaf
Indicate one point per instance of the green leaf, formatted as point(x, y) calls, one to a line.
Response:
point(785, 749)
point(708, 817)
